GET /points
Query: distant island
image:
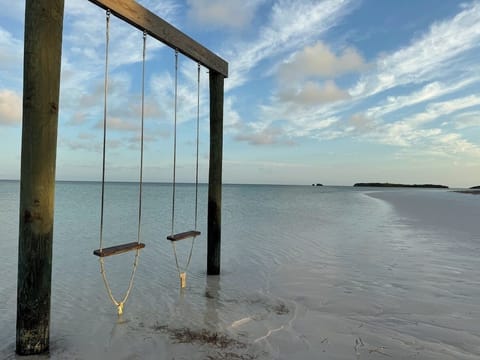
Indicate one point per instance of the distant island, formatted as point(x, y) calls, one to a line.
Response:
point(317, 184)
point(475, 187)
point(428, 186)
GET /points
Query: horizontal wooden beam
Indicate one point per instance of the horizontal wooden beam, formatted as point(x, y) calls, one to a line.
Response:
point(143, 19)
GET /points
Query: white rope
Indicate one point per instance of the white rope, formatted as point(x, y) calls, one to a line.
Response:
point(107, 42)
point(179, 269)
point(174, 141)
point(198, 142)
point(196, 166)
point(120, 304)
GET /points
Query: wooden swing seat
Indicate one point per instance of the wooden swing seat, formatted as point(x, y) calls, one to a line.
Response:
point(118, 249)
point(184, 235)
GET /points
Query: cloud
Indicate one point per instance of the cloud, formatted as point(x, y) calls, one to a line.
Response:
point(267, 136)
point(467, 120)
point(430, 91)
point(119, 124)
point(219, 13)
point(292, 24)
point(411, 133)
point(404, 134)
point(11, 49)
point(439, 109)
point(435, 53)
point(412, 129)
point(232, 119)
point(454, 144)
point(10, 107)
point(11, 60)
point(312, 93)
point(319, 61)
point(362, 123)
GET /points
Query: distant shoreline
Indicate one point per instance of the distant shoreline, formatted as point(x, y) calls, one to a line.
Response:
point(427, 186)
point(471, 192)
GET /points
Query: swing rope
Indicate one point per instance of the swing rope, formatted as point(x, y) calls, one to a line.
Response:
point(179, 269)
point(174, 141)
point(120, 304)
point(105, 98)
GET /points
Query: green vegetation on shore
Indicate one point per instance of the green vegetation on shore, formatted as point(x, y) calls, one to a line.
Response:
point(428, 186)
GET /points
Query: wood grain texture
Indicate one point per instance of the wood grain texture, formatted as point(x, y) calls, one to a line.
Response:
point(144, 20)
point(118, 249)
point(183, 235)
point(215, 174)
point(41, 86)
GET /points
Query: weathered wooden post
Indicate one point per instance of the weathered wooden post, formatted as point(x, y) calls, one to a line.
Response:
point(42, 58)
point(215, 173)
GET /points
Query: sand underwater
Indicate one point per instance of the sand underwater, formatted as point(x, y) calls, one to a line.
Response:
point(307, 273)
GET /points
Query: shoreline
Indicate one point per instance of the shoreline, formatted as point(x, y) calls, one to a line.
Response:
point(471, 192)
point(434, 209)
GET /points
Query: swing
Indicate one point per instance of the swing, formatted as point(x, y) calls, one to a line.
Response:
point(191, 234)
point(137, 245)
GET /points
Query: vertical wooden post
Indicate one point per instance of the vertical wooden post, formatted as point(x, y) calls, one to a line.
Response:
point(215, 173)
point(42, 59)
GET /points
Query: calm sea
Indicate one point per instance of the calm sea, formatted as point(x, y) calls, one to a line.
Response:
point(307, 273)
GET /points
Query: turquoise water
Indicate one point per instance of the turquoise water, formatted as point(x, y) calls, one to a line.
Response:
point(307, 273)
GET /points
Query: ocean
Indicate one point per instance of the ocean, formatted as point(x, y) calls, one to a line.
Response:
point(306, 273)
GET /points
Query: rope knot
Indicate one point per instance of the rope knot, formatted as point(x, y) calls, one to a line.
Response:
point(120, 308)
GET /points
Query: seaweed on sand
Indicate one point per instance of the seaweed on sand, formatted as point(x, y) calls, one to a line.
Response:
point(218, 341)
point(231, 356)
point(203, 336)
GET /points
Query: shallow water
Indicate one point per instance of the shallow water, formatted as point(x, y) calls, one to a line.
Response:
point(307, 273)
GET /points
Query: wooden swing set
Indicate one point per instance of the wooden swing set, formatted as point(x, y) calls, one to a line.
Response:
point(42, 59)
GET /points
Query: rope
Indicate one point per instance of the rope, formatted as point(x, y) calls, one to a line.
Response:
point(120, 304)
point(174, 141)
point(141, 138)
point(179, 270)
point(196, 165)
point(198, 142)
point(107, 42)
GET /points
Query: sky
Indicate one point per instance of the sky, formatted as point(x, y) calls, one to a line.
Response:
point(332, 92)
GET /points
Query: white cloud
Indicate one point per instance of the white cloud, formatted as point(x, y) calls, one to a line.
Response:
point(11, 60)
point(312, 93)
point(454, 144)
point(11, 49)
point(267, 136)
point(10, 107)
point(219, 13)
point(362, 123)
point(467, 120)
point(403, 134)
point(319, 60)
point(430, 91)
point(231, 118)
point(439, 109)
point(426, 58)
point(292, 24)
point(412, 129)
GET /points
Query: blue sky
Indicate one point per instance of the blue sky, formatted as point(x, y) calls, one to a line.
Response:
point(334, 91)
